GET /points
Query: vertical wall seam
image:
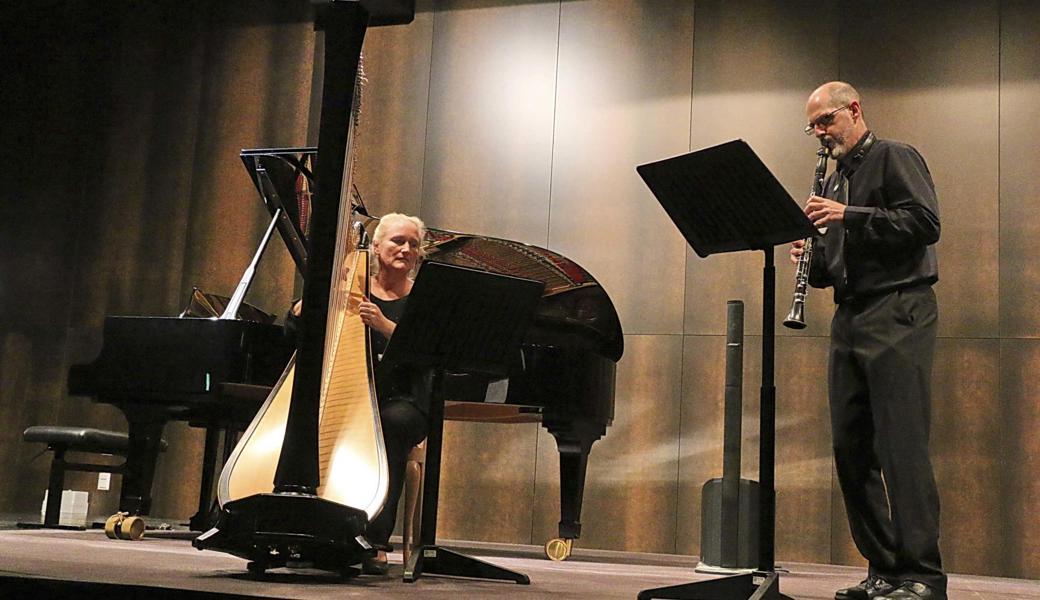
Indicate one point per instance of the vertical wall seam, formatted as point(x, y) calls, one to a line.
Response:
point(1004, 506)
point(552, 137)
point(833, 473)
point(426, 129)
point(548, 223)
point(682, 324)
point(1000, 73)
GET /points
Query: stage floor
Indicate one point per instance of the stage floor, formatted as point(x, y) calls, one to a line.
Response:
point(58, 564)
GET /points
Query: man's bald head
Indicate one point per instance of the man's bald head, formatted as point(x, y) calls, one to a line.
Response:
point(836, 93)
point(835, 117)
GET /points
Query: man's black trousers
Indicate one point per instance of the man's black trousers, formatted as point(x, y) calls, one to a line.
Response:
point(880, 397)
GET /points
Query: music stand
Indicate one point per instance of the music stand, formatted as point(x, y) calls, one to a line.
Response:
point(724, 199)
point(462, 320)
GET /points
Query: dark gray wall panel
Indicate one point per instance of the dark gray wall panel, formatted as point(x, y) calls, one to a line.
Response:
point(1019, 130)
point(754, 66)
point(942, 98)
point(622, 100)
point(392, 136)
point(489, 136)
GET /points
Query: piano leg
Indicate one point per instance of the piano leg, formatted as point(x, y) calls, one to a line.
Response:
point(203, 519)
point(574, 440)
point(145, 431)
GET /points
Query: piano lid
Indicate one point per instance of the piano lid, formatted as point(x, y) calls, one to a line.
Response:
point(575, 308)
point(283, 177)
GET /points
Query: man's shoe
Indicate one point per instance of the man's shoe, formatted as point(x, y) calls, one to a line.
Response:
point(913, 590)
point(870, 588)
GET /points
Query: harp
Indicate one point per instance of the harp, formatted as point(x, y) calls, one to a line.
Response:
point(310, 470)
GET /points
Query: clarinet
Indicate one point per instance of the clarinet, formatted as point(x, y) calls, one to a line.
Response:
point(796, 317)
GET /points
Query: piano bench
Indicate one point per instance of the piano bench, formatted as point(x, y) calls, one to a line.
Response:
point(61, 439)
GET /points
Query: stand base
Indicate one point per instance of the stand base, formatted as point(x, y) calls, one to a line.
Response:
point(707, 569)
point(434, 560)
point(52, 526)
point(757, 586)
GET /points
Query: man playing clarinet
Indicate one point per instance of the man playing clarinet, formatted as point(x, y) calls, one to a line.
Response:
point(882, 220)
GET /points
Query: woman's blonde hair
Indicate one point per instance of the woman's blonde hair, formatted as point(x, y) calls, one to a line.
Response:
point(384, 224)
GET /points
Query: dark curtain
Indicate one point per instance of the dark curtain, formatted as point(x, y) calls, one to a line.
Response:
point(122, 189)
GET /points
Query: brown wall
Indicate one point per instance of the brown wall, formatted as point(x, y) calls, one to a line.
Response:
point(525, 120)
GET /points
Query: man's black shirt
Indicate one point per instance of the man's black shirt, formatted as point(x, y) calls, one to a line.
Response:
point(891, 223)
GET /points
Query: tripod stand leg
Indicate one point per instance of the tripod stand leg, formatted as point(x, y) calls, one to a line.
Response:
point(434, 560)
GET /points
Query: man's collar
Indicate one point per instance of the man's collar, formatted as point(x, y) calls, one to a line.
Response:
point(854, 158)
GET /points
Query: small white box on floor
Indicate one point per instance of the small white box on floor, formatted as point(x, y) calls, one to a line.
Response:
point(74, 507)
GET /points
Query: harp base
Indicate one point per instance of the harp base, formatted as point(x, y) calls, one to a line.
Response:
point(290, 530)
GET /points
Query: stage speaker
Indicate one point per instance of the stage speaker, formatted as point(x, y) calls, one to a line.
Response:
point(742, 550)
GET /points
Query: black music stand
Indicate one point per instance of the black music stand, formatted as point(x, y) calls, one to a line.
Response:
point(724, 199)
point(456, 319)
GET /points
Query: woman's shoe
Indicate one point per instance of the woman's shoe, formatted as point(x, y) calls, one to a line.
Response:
point(377, 565)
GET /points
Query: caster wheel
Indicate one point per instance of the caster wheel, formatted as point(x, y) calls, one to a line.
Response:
point(121, 526)
point(132, 528)
point(558, 548)
point(112, 524)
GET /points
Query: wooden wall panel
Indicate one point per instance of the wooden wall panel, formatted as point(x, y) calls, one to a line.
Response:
point(700, 439)
point(967, 425)
point(942, 98)
point(803, 449)
point(489, 136)
point(622, 99)
point(1019, 128)
point(630, 490)
point(755, 64)
point(1017, 452)
point(486, 482)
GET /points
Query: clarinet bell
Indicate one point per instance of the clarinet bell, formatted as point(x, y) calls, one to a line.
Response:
point(796, 318)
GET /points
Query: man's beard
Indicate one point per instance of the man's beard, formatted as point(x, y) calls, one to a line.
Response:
point(836, 146)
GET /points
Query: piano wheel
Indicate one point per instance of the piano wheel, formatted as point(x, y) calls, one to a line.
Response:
point(558, 548)
point(122, 526)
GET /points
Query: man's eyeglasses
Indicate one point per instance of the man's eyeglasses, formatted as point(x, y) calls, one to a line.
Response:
point(823, 120)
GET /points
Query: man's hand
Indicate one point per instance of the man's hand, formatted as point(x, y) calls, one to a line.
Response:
point(822, 211)
point(797, 249)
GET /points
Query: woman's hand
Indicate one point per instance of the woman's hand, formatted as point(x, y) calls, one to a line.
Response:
point(374, 318)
